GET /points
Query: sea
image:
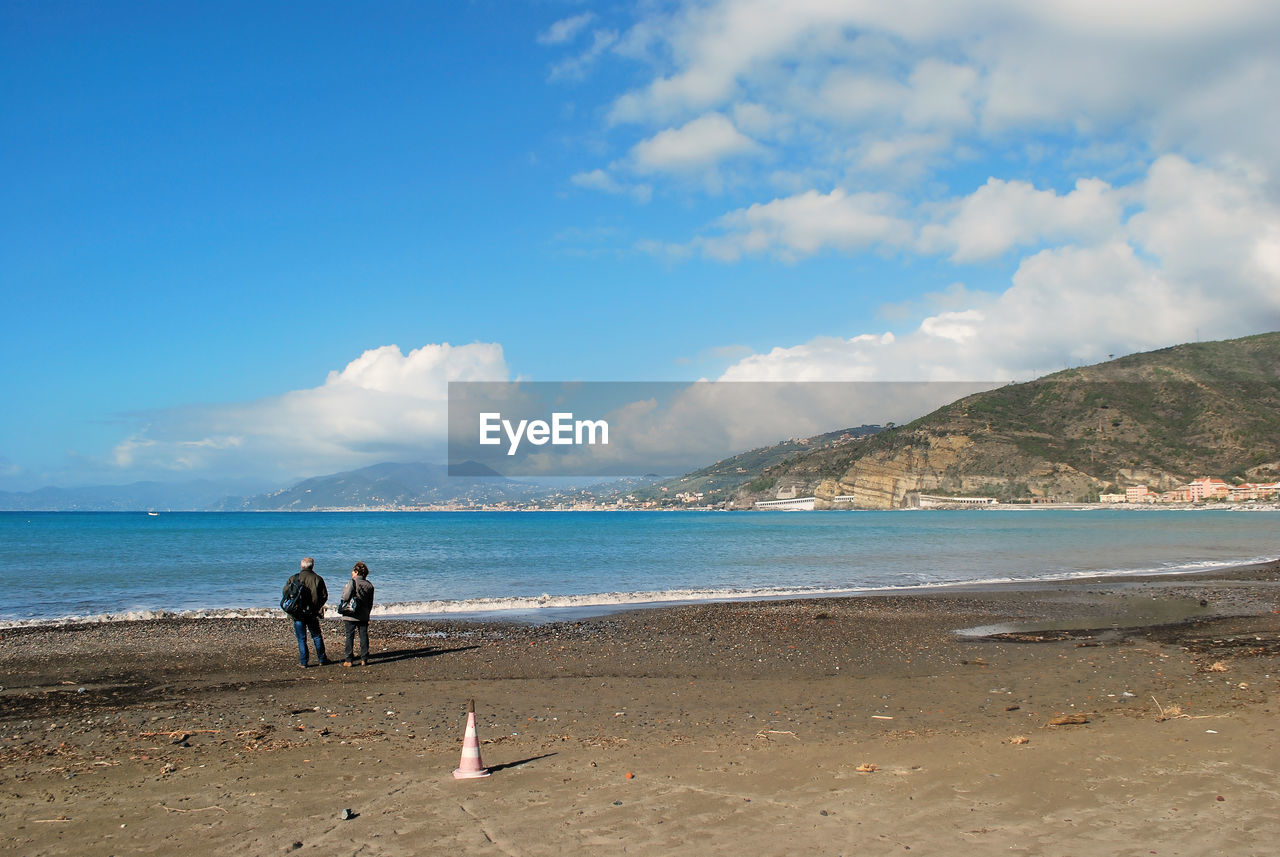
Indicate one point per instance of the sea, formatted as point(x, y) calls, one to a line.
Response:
point(63, 567)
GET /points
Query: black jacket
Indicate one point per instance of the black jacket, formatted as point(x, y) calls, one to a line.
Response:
point(315, 584)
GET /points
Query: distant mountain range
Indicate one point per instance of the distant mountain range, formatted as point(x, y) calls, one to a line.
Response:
point(389, 485)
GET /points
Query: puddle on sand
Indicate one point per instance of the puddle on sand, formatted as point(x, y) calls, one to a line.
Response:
point(1137, 613)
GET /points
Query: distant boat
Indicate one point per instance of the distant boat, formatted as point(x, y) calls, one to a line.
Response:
point(154, 514)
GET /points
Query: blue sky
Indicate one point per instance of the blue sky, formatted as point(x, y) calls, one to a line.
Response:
point(257, 239)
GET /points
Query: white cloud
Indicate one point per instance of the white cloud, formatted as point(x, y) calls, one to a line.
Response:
point(1001, 215)
point(602, 181)
point(698, 144)
point(758, 120)
point(872, 98)
point(577, 66)
point(384, 405)
point(566, 29)
point(1201, 259)
point(716, 45)
point(942, 94)
point(958, 327)
point(1121, 156)
point(905, 154)
point(822, 359)
point(1206, 224)
point(1176, 76)
point(597, 180)
point(848, 94)
point(808, 223)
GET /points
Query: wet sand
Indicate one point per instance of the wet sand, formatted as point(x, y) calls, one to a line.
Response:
point(829, 726)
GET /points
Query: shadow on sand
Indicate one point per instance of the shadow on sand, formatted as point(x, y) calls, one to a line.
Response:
point(505, 765)
point(409, 654)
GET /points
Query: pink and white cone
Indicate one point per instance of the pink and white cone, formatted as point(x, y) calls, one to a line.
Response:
point(470, 767)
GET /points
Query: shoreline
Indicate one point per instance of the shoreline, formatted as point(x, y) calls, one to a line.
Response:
point(831, 725)
point(535, 610)
point(1224, 506)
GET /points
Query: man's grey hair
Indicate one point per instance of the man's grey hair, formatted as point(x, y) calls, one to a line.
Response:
point(308, 564)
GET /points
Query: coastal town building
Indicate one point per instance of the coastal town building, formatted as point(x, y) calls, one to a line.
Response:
point(1208, 488)
point(1203, 489)
point(790, 504)
point(928, 501)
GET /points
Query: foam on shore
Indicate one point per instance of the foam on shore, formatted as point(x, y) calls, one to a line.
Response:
point(547, 607)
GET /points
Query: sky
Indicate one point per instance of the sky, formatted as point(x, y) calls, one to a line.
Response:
point(258, 239)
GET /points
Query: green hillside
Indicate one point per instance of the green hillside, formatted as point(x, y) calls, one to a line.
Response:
point(1159, 418)
point(755, 471)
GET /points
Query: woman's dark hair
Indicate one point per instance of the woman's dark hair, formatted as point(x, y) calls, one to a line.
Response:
point(361, 569)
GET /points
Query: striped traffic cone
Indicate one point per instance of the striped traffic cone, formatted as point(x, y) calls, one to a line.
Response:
point(470, 767)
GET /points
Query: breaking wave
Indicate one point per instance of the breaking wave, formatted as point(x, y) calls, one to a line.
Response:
point(547, 607)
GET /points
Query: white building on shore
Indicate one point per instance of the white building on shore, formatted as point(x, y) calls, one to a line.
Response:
point(791, 504)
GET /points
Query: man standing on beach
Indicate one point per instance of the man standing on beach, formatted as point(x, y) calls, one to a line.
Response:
point(306, 594)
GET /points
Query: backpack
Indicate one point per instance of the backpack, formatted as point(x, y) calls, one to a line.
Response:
point(296, 600)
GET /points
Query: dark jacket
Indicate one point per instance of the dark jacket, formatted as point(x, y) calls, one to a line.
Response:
point(362, 589)
point(315, 584)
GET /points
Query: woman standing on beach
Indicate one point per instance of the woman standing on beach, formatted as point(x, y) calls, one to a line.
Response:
point(357, 602)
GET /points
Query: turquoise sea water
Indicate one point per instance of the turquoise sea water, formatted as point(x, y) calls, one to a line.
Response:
point(549, 564)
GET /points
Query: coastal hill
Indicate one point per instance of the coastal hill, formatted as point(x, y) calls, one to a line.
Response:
point(1158, 418)
point(755, 471)
point(389, 486)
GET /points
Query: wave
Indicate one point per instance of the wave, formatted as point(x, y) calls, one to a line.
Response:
point(525, 607)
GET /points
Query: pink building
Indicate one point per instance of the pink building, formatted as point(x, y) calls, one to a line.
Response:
point(1254, 491)
point(1139, 494)
point(1208, 488)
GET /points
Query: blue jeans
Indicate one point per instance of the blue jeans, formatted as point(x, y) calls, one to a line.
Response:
point(300, 628)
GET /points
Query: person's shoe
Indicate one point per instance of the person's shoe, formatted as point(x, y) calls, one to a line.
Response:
point(325, 662)
point(363, 662)
point(346, 663)
point(304, 666)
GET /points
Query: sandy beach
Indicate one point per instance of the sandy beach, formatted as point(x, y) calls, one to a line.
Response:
point(836, 726)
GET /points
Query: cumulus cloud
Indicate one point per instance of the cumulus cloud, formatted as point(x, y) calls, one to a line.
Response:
point(1200, 259)
point(715, 46)
point(383, 405)
point(808, 223)
point(1009, 59)
point(1001, 215)
point(700, 143)
point(1183, 78)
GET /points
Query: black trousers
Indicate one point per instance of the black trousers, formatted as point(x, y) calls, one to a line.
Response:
point(363, 628)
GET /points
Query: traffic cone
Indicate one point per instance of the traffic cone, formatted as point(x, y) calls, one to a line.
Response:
point(470, 767)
